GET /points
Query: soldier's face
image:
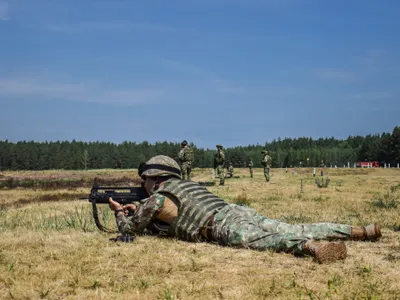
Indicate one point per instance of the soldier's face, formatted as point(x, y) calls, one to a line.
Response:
point(149, 184)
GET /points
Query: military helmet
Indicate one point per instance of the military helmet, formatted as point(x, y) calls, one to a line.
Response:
point(160, 165)
point(264, 152)
point(184, 143)
point(219, 146)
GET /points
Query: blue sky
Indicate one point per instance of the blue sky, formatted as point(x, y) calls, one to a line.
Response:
point(231, 72)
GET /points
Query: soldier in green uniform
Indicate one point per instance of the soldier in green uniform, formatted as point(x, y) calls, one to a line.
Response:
point(230, 171)
point(266, 161)
point(251, 167)
point(322, 165)
point(219, 162)
point(188, 211)
point(186, 158)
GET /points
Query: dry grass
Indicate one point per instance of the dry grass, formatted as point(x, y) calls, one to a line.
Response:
point(50, 248)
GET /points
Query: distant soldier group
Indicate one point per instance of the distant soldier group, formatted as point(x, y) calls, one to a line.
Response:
point(186, 158)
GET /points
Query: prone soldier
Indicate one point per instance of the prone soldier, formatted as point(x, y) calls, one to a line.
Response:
point(187, 211)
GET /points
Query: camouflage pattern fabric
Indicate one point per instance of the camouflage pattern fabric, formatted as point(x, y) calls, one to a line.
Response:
point(186, 158)
point(186, 170)
point(128, 225)
point(266, 173)
point(266, 162)
point(219, 161)
point(196, 205)
point(221, 174)
point(162, 160)
point(241, 226)
point(251, 168)
point(230, 171)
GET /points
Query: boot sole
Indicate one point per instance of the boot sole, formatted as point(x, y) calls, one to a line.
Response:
point(372, 232)
point(331, 252)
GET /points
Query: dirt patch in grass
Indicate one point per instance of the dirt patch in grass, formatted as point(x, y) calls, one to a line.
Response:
point(53, 197)
point(65, 183)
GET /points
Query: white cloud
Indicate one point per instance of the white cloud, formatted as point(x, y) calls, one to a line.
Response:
point(42, 89)
point(4, 8)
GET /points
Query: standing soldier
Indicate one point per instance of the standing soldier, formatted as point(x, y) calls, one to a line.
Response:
point(219, 162)
point(186, 158)
point(251, 167)
point(322, 167)
point(266, 162)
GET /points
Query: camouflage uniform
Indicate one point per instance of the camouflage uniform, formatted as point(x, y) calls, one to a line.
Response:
point(219, 162)
point(266, 162)
point(233, 225)
point(322, 165)
point(186, 158)
point(251, 168)
point(230, 171)
point(241, 226)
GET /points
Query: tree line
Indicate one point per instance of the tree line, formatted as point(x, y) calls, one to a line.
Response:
point(287, 152)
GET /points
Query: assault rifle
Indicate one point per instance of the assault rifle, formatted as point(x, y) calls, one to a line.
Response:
point(122, 195)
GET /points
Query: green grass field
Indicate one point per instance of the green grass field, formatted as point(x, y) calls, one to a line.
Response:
point(51, 249)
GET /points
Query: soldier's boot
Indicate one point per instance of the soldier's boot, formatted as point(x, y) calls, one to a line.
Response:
point(325, 252)
point(371, 232)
